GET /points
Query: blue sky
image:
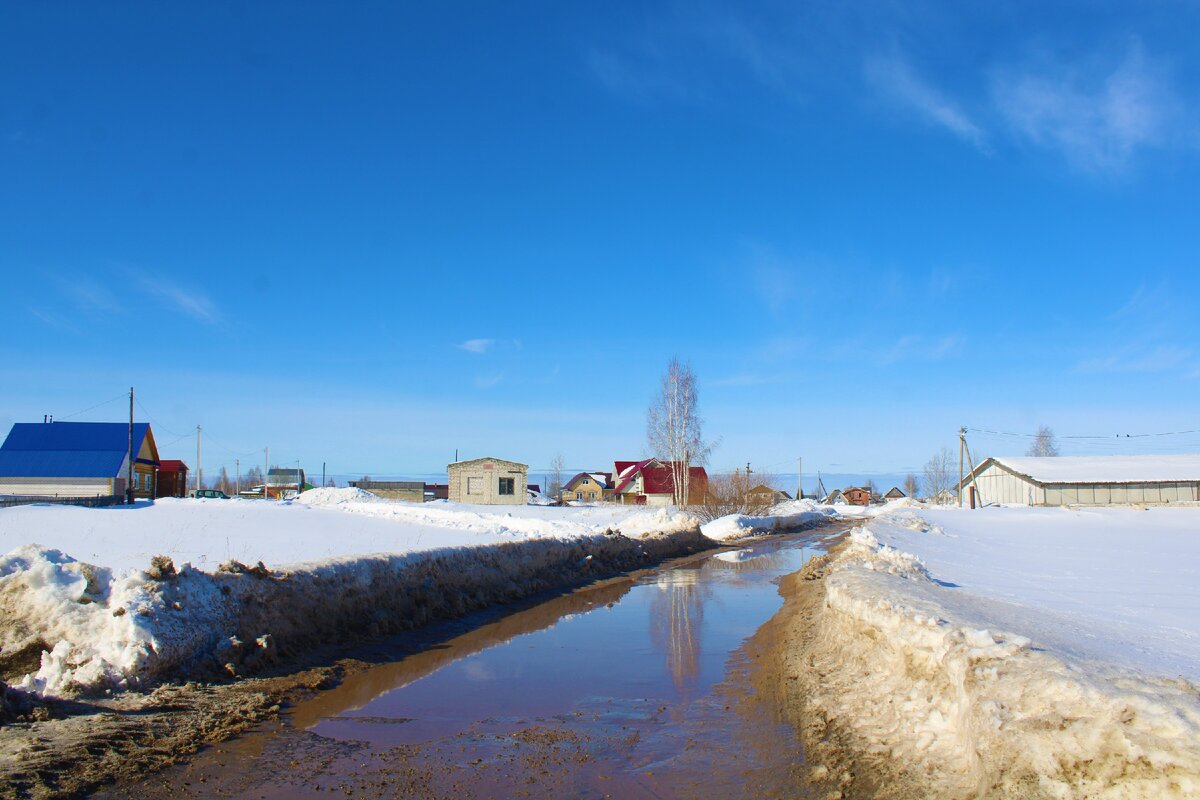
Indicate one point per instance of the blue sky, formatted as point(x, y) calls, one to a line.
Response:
point(367, 234)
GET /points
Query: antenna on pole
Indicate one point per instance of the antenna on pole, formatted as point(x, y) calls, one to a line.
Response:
point(129, 472)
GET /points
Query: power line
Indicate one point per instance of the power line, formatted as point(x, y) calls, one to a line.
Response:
point(1104, 437)
point(121, 396)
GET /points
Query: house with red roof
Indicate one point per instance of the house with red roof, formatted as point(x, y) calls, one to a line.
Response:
point(652, 482)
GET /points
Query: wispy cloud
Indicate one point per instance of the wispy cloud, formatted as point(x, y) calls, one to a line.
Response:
point(914, 347)
point(89, 295)
point(188, 301)
point(1146, 301)
point(488, 381)
point(640, 77)
point(895, 78)
point(1097, 118)
point(1138, 359)
point(52, 319)
point(478, 346)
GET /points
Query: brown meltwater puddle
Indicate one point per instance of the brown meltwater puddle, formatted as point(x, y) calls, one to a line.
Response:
point(632, 688)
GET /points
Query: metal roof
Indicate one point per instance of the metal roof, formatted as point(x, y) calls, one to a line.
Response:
point(1099, 469)
point(68, 449)
point(60, 463)
point(76, 436)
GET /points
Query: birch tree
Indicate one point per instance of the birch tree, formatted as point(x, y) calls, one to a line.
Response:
point(1043, 443)
point(554, 479)
point(911, 487)
point(939, 474)
point(674, 427)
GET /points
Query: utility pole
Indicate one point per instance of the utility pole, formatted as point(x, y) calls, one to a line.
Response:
point(962, 441)
point(199, 470)
point(322, 474)
point(799, 478)
point(129, 472)
point(266, 469)
point(237, 476)
point(299, 483)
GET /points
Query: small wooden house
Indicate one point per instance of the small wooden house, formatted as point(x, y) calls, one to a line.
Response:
point(894, 493)
point(78, 459)
point(857, 495)
point(767, 495)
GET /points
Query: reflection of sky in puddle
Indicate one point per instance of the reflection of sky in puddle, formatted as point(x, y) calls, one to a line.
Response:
point(666, 640)
point(734, 556)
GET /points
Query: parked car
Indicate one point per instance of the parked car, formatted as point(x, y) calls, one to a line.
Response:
point(213, 494)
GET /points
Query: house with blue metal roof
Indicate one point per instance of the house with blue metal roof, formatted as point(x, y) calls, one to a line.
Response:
point(77, 459)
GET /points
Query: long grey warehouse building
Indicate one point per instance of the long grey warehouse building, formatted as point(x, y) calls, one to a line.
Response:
point(1086, 480)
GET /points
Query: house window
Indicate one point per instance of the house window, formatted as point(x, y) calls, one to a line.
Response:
point(474, 485)
point(506, 486)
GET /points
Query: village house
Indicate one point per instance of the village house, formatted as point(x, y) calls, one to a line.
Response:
point(894, 493)
point(857, 495)
point(833, 498)
point(588, 487)
point(489, 481)
point(652, 482)
point(283, 482)
point(77, 459)
point(1084, 480)
point(767, 495)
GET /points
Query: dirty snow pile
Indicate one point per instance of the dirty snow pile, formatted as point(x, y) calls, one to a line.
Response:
point(788, 515)
point(1019, 652)
point(82, 606)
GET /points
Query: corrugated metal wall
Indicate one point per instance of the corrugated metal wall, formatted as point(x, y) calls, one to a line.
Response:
point(996, 485)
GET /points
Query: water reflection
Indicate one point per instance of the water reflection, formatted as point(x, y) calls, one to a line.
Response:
point(676, 613)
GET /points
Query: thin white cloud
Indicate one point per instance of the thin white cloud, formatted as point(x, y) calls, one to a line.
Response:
point(1136, 359)
point(488, 381)
point(914, 347)
point(90, 296)
point(1098, 119)
point(1146, 301)
point(479, 346)
point(190, 302)
point(893, 77)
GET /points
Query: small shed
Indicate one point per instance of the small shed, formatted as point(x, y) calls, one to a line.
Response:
point(1085, 480)
point(488, 481)
point(172, 479)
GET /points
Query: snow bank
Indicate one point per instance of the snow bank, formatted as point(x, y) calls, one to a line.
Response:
point(68, 625)
point(330, 496)
point(789, 515)
point(917, 674)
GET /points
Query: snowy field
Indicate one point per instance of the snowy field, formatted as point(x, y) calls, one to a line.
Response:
point(321, 524)
point(82, 608)
point(1020, 652)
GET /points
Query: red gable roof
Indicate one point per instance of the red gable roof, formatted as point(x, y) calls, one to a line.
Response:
point(171, 465)
point(661, 480)
point(657, 479)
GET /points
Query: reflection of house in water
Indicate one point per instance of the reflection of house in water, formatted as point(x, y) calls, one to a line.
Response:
point(676, 615)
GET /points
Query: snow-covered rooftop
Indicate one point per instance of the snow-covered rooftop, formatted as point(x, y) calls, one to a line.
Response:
point(1105, 469)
